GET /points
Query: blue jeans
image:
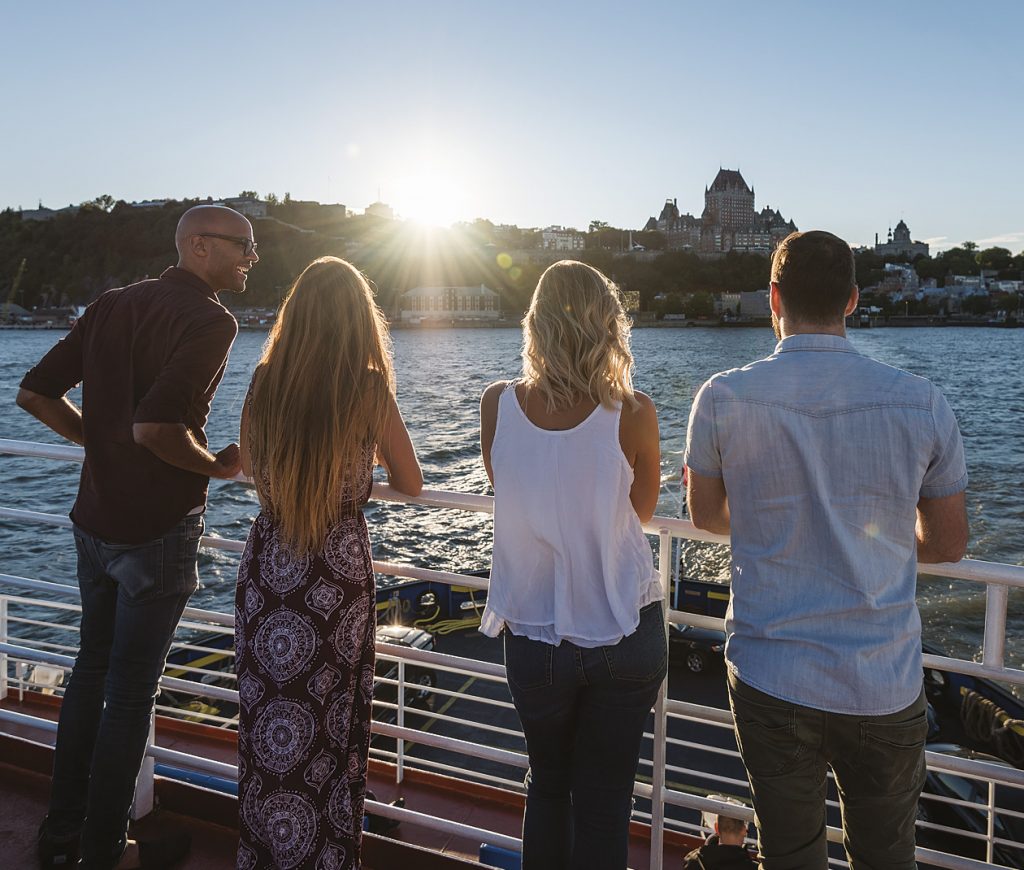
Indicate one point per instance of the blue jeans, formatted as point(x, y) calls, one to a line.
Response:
point(132, 598)
point(583, 712)
point(879, 768)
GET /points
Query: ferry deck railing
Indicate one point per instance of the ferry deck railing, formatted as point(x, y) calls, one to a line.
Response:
point(997, 578)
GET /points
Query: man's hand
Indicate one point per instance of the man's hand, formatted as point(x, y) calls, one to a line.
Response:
point(229, 462)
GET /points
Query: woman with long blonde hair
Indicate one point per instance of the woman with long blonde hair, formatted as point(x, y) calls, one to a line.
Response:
point(320, 407)
point(572, 451)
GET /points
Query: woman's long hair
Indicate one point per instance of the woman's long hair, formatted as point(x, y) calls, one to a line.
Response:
point(320, 399)
point(576, 339)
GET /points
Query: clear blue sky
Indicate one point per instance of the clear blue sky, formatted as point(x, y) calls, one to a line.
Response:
point(845, 116)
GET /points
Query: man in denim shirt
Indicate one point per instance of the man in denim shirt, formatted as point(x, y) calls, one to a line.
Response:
point(834, 475)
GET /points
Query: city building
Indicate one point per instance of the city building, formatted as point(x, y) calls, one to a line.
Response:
point(381, 210)
point(899, 278)
point(46, 214)
point(729, 221)
point(250, 206)
point(754, 305)
point(450, 303)
point(557, 238)
point(899, 244)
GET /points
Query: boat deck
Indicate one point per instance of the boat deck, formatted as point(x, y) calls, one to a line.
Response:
point(211, 816)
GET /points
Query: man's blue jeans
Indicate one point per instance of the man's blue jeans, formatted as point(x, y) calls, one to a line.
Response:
point(132, 599)
point(583, 712)
point(878, 763)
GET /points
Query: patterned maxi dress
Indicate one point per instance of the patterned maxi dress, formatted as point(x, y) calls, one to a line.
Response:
point(304, 634)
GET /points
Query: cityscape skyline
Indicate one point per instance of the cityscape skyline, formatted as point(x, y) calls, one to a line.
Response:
point(847, 119)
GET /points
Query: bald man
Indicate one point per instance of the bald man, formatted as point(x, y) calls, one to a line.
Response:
point(723, 850)
point(149, 358)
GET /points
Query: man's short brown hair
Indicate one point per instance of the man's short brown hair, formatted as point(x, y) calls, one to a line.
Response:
point(815, 273)
point(730, 827)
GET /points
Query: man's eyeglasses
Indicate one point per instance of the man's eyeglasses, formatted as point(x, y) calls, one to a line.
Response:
point(248, 245)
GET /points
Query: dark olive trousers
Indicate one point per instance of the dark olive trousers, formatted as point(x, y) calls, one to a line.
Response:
point(878, 764)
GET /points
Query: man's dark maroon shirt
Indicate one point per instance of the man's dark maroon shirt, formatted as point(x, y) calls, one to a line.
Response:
point(153, 352)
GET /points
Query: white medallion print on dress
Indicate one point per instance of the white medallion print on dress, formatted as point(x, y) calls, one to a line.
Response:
point(344, 551)
point(320, 770)
point(284, 644)
point(281, 568)
point(324, 598)
point(323, 681)
point(339, 808)
point(350, 637)
point(331, 858)
point(339, 714)
point(282, 735)
point(290, 824)
point(250, 689)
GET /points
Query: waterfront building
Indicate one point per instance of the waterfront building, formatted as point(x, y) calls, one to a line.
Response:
point(11, 312)
point(46, 214)
point(250, 206)
point(727, 303)
point(899, 278)
point(556, 238)
point(381, 210)
point(899, 244)
point(729, 222)
point(754, 305)
point(450, 303)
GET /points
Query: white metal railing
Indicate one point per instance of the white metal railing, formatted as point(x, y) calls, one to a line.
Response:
point(998, 579)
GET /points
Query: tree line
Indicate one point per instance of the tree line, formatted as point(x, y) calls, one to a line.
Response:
point(72, 258)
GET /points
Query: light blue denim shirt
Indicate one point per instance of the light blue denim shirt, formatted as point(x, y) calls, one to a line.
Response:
point(824, 454)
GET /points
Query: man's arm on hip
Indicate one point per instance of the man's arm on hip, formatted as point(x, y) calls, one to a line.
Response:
point(942, 529)
point(61, 415)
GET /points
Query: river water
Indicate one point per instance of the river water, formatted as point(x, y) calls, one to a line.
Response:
point(441, 374)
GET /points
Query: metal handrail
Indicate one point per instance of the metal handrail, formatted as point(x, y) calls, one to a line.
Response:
point(998, 579)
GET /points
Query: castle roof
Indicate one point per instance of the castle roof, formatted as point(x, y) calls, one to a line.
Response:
point(670, 211)
point(729, 179)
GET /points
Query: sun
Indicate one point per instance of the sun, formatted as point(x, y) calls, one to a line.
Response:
point(434, 193)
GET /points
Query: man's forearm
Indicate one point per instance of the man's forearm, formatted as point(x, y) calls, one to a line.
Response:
point(60, 415)
point(174, 444)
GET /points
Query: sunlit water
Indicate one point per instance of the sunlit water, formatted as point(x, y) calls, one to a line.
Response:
point(441, 374)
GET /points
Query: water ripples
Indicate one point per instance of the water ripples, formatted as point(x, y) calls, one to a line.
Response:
point(441, 375)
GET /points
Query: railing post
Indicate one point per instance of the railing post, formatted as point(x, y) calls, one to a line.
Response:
point(400, 744)
point(990, 828)
point(3, 639)
point(996, 598)
point(144, 787)
point(658, 757)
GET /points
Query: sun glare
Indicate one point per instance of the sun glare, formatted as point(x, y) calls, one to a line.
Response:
point(430, 197)
point(433, 183)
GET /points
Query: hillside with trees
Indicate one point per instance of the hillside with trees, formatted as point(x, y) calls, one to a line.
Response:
point(75, 256)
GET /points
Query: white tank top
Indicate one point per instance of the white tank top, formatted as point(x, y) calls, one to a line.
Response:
point(570, 559)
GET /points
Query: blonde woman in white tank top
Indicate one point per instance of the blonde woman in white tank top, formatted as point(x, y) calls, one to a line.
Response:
point(573, 454)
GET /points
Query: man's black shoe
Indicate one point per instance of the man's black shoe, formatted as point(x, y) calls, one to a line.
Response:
point(56, 852)
point(164, 852)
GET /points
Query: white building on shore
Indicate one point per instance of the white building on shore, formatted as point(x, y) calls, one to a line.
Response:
point(450, 303)
point(557, 238)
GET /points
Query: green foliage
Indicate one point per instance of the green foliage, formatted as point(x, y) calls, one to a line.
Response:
point(977, 304)
point(110, 244)
point(699, 305)
point(994, 258)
